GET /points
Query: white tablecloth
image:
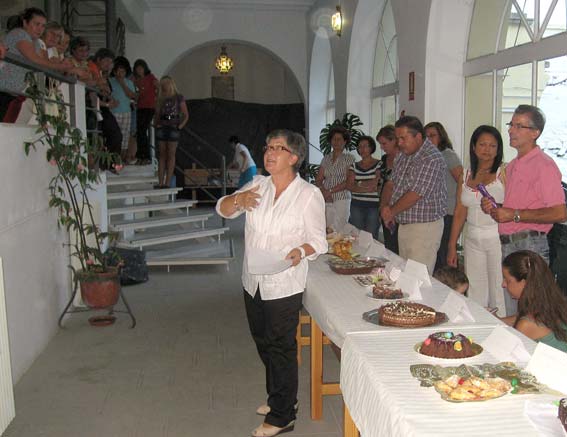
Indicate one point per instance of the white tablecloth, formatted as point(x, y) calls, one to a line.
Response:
point(384, 399)
point(337, 302)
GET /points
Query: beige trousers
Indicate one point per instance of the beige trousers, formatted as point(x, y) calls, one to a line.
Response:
point(420, 242)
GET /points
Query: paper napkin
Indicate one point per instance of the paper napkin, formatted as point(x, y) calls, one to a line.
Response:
point(365, 240)
point(503, 344)
point(393, 272)
point(409, 285)
point(549, 366)
point(419, 271)
point(375, 250)
point(456, 308)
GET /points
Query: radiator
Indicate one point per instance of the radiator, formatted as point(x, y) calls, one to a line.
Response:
point(7, 409)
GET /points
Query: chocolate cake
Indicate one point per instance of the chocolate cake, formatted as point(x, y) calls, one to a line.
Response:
point(386, 291)
point(447, 345)
point(406, 314)
point(562, 412)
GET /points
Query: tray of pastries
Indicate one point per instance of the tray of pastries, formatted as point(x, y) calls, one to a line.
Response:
point(354, 266)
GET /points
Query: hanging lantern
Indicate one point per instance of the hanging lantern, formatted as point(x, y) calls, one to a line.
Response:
point(223, 63)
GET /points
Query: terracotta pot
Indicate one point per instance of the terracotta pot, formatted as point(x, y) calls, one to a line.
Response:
point(100, 290)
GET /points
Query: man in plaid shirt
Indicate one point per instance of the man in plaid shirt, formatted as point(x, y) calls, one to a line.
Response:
point(416, 195)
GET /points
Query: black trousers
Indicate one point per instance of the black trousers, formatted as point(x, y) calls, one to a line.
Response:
point(444, 245)
point(273, 325)
point(144, 118)
point(391, 238)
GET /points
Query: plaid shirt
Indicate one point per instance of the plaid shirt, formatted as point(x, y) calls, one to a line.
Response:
point(424, 173)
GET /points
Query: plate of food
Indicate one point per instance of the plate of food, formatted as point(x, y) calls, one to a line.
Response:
point(354, 266)
point(386, 290)
point(405, 314)
point(472, 389)
point(446, 345)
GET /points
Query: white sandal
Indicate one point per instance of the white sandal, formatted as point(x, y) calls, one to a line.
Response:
point(270, 430)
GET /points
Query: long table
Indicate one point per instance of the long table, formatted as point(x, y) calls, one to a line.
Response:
point(336, 303)
point(384, 399)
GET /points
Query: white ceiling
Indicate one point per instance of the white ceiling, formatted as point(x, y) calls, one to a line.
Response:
point(235, 4)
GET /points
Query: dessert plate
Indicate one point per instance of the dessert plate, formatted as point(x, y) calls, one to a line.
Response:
point(477, 349)
point(371, 296)
point(372, 317)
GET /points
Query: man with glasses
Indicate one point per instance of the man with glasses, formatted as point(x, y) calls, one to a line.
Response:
point(534, 198)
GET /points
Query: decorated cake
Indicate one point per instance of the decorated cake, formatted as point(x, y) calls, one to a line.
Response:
point(562, 413)
point(406, 314)
point(447, 345)
point(385, 290)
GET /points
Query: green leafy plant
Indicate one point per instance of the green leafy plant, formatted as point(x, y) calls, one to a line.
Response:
point(76, 161)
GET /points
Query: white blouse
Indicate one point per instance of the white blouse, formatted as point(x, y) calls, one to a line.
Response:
point(296, 218)
point(471, 198)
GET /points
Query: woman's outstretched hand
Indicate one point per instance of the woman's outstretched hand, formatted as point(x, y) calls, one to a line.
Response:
point(248, 199)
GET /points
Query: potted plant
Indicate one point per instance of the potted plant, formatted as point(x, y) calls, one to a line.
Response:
point(350, 122)
point(70, 153)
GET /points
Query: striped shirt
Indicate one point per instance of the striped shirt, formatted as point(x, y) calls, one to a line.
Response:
point(336, 173)
point(423, 173)
point(361, 174)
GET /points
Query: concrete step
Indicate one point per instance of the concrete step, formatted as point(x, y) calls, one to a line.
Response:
point(140, 241)
point(191, 254)
point(130, 194)
point(152, 222)
point(146, 207)
point(130, 180)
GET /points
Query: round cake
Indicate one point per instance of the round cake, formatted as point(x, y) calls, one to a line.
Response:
point(406, 314)
point(447, 345)
point(386, 291)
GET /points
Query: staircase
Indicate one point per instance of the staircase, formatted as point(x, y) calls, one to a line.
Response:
point(170, 231)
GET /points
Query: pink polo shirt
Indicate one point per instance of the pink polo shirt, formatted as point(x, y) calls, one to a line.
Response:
point(532, 182)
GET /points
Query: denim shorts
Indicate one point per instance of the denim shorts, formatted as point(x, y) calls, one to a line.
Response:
point(167, 133)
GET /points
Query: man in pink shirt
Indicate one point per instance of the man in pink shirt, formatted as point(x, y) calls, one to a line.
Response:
point(534, 198)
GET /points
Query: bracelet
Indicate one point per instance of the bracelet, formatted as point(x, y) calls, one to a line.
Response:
point(302, 250)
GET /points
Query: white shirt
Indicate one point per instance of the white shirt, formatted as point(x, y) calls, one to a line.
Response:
point(296, 218)
point(244, 162)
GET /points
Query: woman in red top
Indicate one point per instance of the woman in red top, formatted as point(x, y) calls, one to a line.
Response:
point(147, 85)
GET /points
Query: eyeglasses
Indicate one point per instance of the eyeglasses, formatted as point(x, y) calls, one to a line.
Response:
point(275, 149)
point(519, 126)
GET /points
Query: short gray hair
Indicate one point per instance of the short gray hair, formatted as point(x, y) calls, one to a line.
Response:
point(536, 115)
point(294, 141)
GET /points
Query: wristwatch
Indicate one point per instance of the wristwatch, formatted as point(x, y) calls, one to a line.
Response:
point(516, 216)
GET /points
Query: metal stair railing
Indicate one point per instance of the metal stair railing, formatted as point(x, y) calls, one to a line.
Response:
point(197, 161)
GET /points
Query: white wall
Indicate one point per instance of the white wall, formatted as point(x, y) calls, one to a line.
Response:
point(446, 53)
point(259, 77)
point(170, 32)
point(35, 262)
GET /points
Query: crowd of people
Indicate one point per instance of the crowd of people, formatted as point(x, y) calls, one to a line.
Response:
point(127, 100)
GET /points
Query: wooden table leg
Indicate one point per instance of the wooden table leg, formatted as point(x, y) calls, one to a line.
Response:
point(316, 371)
point(349, 428)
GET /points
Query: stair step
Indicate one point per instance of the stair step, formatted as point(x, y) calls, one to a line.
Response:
point(152, 222)
point(130, 180)
point(146, 207)
point(130, 194)
point(170, 237)
point(194, 254)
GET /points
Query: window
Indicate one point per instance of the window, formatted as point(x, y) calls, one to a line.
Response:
point(385, 74)
point(330, 110)
point(535, 72)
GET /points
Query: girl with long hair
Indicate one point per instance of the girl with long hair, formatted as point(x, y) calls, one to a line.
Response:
point(171, 116)
point(147, 85)
point(542, 307)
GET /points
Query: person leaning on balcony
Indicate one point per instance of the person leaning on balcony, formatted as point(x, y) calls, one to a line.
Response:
point(20, 41)
point(533, 198)
point(285, 218)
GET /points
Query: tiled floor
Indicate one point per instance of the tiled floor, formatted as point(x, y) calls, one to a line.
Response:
point(188, 369)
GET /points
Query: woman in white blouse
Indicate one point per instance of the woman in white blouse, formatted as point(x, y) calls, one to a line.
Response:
point(285, 216)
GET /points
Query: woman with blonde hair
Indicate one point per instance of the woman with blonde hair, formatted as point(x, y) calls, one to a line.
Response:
point(170, 117)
